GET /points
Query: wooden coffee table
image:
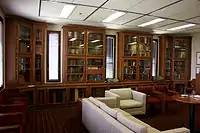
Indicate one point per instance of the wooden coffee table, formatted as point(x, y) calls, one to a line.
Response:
point(192, 103)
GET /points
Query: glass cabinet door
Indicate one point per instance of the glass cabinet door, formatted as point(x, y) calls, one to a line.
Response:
point(179, 70)
point(24, 67)
point(168, 57)
point(180, 48)
point(95, 44)
point(144, 69)
point(95, 69)
point(38, 68)
point(130, 70)
point(75, 69)
point(145, 43)
point(38, 54)
point(24, 39)
point(130, 45)
point(75, 43)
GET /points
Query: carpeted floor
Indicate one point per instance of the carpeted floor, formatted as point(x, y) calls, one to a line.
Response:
point(55, 119)
point(67, 119)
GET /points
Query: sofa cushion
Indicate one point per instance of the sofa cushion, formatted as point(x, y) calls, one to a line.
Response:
point(131, 124)
point(108, 110)
point(138, 121)
point(122, 111)
point(124, 93)
point(124, 104)
point(94, 101)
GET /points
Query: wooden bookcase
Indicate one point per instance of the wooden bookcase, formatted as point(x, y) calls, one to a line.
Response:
point(175, 60)
point(135, 57)
point(25, 42)
point(84, 54)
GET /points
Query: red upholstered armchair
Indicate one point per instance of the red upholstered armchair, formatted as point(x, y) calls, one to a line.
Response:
point(153, 97)
point(190, 86)
point(167, 94)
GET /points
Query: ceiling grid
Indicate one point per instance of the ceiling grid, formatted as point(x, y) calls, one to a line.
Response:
point(93, 12)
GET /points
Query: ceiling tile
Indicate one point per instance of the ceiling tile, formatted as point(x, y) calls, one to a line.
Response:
point(125, 18)
point(194, 20)
point(141, 20)
point(182, 10)
point(65, 1)
point(81, 12)
point(148, 6)
point(51, 9)
point(120, 4)
point(90, 2)
point(100, 15)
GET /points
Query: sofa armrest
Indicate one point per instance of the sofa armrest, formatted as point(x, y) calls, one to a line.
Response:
point(139, 96)
point(177, 130)
point(109, 101)
point(110, 94)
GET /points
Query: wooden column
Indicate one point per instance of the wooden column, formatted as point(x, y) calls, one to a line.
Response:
point(67, 95)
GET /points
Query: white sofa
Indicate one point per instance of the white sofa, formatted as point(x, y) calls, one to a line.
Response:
point(131, 101)
point(98, 117)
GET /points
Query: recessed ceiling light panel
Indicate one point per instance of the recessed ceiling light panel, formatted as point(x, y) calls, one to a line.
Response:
point(114, 16)
point(66, 11)
point(181, 27)
point(151, 22)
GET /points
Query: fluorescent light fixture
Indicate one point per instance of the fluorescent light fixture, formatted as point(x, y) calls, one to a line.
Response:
point(181, 27)
point(72, 39)
point(67, 10)
point(95, 41)
point(113, 16)
point(151, 22)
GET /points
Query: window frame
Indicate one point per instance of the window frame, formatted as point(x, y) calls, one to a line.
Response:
point(114, 52)
point(3, 60)
point(59, 56)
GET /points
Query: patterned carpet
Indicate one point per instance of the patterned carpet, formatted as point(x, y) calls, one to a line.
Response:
point(56, 119)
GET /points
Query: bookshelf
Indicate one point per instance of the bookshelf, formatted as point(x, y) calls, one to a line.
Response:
point(25, 51)
point(135, 58)
point(39, 33)
point(175, 60)
point(84, 53)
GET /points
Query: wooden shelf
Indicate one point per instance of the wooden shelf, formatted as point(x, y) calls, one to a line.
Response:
point(89, 41)
point(176, 71)
point(130, 58)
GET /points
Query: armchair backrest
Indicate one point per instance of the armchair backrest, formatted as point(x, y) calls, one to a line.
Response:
point(161, 88)
point(145, 89)
point(124, 93)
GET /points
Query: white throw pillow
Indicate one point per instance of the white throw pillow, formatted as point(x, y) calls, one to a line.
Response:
point(135, 127)
point(108, 110)
point(95, 101)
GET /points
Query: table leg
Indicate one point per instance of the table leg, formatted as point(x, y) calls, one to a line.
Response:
point(191, 117)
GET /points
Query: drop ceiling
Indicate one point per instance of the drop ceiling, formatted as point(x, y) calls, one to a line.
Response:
point(93, 12)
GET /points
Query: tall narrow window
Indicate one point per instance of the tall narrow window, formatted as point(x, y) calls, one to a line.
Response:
point(110, 56)
point(155, 57)
point(53, 56)
point(1, 51)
